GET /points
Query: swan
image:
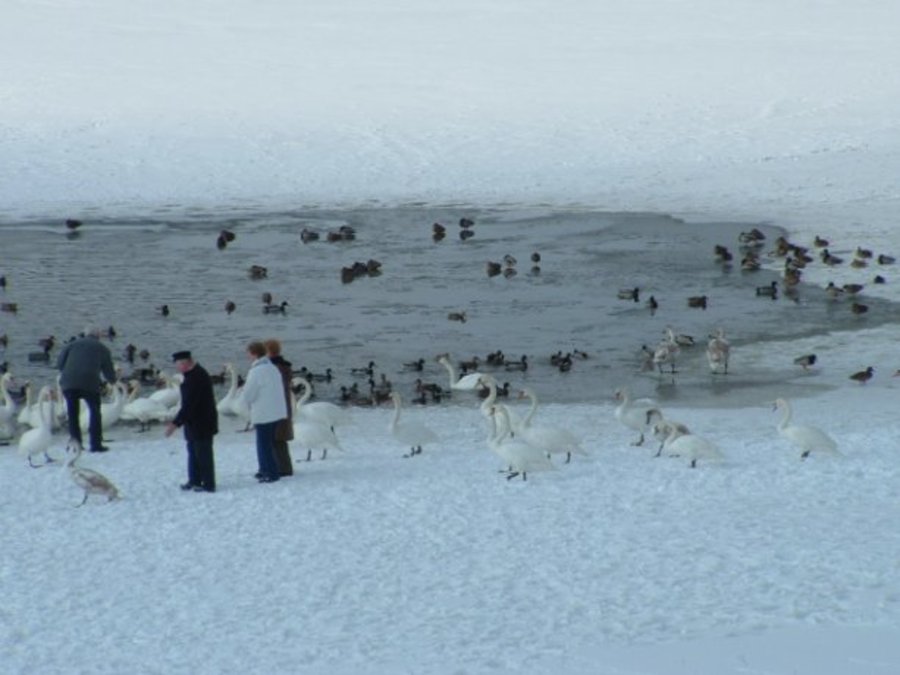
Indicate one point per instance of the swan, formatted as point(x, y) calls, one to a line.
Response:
point(224, 404)
point(491, 383)
point(410, 433)
point(691, 446)
point(634, 414)
point(8, 409)
point(808, 439)
point(521, 457)
point(322, 412)
point(312, 434)
point(232, 403)
point(467, 382)
point(662, 428)
point(36, 441)
point(144, 410)
point(24, 418)
point(110, 412)
point(718, 350)
point(666, 351)
point(92, 482)
point(170, 395)
point(550, 439)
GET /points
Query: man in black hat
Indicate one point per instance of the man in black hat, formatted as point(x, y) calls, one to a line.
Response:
point(200, 420)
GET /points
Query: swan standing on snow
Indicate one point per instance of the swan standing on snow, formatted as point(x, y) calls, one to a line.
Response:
point(634, 414)
point(232, 403)
point(663, 428)
point(170, 395)
point(808, 439)
point(410, 433)
point(144, 410)
point(322, 412)
point(8, 409)
point(718, 350)
point(36, 441)
point(690, 446)
point(92, 482)
point(521, 457)
point(551, 439)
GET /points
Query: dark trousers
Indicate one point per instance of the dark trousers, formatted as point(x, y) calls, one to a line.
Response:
point(73, 408)
point(201, 465)
point(265, 449)
point(283, 458)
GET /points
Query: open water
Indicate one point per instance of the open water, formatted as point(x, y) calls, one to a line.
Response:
point(119, 272)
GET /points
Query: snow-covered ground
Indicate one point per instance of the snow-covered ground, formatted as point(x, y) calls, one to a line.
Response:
point(618, 563)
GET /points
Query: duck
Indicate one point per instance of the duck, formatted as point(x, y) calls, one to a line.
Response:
point(280, 308)
point(878, 279)
point(493, 268)
point(853, 289)
point(829, 259)
point(770, 291)
point(863, 252)
point(652, 305)
point(858, 263)
point(805, 361)
point(163, 310)
point(883, 259)
point(521, 364)
point(230, 307)
point(697, 301)
point(633, 294)
point(820, 242)
point(9, 307)
point(833, 292)
point(307, 235)
point(863, 376)
point(722, 254)
point(456, 316)
point(858, 308)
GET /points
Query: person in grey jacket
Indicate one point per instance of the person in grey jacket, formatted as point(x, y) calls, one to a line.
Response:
point(263, 393)
point(81, 364)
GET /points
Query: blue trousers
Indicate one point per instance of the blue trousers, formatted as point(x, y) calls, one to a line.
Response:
point(265, 449)
point(201, 466)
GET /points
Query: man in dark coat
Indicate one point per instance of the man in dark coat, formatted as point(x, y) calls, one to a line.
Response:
point(284, 432)
point(81, 363)
point(200, 419)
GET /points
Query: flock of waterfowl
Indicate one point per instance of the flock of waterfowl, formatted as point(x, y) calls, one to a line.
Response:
point(523, 445)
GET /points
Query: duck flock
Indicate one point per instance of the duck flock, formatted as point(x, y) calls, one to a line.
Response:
point(34, 419)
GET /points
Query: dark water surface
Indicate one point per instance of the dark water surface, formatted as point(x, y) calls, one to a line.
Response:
point(117, 272)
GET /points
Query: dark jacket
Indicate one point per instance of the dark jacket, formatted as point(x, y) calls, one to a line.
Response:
point(82, 361)
point(285, 429)
point(198, 413)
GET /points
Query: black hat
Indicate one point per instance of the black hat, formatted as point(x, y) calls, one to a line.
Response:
point(181, 356)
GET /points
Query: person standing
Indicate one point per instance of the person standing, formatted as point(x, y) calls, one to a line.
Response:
point(200, 420)
point(81, 364)
point(284, 431)
point(263, 393)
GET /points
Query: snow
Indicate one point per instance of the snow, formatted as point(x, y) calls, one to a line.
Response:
point(618, 563)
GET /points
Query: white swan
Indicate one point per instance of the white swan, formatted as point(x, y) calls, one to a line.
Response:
point(718, 350)
point(314, 435)
point(224, 406)
point(170, 395)
point(634, 414)
point(550, 439)
point(663, 428)
point(110, 412)
point(8, 409)
point(24, 418)
point(808, 439)
point(465, 383)
point(92, 482)
point(519, 456)
point(691, 446)
point(144, 410)
point(36, 441)
point(322, 412)
point(412, 434)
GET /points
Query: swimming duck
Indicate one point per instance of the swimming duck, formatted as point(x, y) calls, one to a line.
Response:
point(863, 376)
point(770, 291)
point(805, 361)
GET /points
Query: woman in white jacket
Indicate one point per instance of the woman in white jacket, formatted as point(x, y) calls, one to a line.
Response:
point(263, 393)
